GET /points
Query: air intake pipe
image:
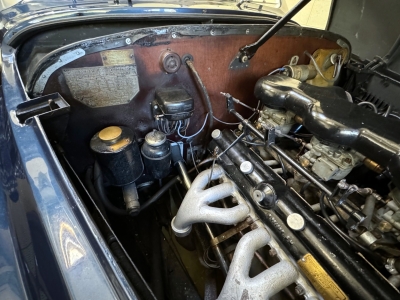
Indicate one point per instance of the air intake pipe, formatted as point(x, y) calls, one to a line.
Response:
point(326, 112)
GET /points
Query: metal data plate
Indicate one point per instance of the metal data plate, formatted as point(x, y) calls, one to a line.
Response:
point(103, 86)
point(118, 57)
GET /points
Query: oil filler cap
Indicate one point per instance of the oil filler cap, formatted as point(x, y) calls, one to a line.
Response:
point(110, 134)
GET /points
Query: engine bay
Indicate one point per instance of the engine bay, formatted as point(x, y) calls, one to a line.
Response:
point(271, 178)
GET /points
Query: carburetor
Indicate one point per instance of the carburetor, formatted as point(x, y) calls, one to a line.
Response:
point(281, 120)
point(329, 161)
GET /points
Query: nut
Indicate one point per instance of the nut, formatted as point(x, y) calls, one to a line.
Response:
point(385, 226)
point(272, 252)
point(299, 290)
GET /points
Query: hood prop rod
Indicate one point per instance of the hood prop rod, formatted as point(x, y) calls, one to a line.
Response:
point(248, 51)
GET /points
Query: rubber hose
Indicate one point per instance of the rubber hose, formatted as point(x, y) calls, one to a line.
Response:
point(92, 191)
point(160, 192)
point(98, 184)
point(368, 210)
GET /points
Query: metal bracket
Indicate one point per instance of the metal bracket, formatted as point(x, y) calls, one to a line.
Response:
point(230, 104)
point(238, 63)
point(64, 59)
point(231, 232)
point(47, 106)
point(270, 136)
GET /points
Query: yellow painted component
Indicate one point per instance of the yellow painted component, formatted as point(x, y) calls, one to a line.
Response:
point(321, 280)
point(118, 145)
point(322, 57)
point(110, 133)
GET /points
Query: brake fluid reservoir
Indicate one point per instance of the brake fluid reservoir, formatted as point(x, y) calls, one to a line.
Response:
point(117, 153)
point(156, 154)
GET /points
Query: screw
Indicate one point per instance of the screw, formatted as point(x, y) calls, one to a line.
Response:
point(247, 31)
point(212, 32)
point(244, 58)
point(128, 41)
point(174, 35)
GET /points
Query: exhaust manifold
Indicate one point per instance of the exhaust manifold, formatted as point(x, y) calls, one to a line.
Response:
point(195, 206)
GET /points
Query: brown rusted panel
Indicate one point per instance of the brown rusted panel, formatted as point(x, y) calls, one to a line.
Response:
point(212, 57)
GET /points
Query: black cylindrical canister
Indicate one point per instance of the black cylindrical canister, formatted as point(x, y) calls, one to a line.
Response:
point(118, 155)
point(156, 154)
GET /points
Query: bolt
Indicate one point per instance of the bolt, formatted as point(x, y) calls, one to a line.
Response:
point(272, 252)
point(247, 31)
point(212, 32)
point(128, 41)
point(249, 220)
point(44, 76)
point(299, 290)
point(174, 35)
point(347, 160)
point(244, 58)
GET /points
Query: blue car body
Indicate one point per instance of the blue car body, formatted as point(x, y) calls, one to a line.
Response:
point(50, 246)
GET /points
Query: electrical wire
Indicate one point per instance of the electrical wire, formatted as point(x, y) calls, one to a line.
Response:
point(194, 162)
point(319, 70)
point(333, 207)
point(388, 110)
point(395, 116)
point(193, 135)
point(348, 239)
point(253, 144)
point(223, 122)
point(369, 104)
point(276, 71)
